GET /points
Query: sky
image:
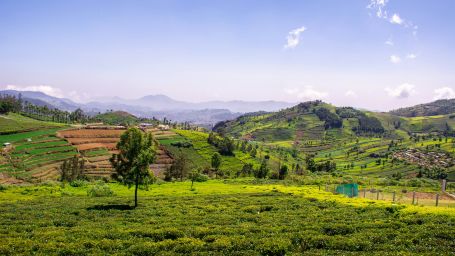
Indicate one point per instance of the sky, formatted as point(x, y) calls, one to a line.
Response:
point(372, 54)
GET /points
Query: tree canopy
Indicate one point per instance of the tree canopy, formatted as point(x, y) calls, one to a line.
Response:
point(132, 163)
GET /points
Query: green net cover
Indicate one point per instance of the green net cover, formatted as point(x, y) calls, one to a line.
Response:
point(351, 190)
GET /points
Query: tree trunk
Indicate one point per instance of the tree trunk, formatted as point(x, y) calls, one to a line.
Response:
point(135, 192)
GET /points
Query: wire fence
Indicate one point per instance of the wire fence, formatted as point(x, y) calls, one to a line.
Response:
point(441, 199)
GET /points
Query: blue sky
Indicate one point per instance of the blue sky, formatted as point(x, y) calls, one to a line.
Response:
point(371, 54)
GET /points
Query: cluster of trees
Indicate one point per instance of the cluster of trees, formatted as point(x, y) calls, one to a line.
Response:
point(72, 169)
point(15, 104)
point(312, 166)
point(45, 113)
point(348, 112)
point(369, 124)
point(182, 168)
point(435, 173)
point(331, 120)
point(263, 171)
point(246, 147)
point(10, 104)
point(224, 144)
point(179, 169)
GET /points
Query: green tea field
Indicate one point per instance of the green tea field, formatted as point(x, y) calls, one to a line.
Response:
point(216, 218)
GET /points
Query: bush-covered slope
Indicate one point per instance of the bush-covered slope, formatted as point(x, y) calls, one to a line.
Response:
point(117, 118)
point(439, 107)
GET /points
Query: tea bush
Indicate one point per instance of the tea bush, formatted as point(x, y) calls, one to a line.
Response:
point(100, 189)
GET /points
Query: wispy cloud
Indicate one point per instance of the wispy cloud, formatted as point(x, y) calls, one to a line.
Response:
point(395, 59)
point(411, 56)
point(49, 90)
point(350, 94)
point(389, 42)
point(402, 91)
point(52, 91)
point(396, 19)
point(308, 93)
point(379, 7)
point(444, 93)
point(293, 38)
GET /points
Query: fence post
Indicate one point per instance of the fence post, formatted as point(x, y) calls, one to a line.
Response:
point(437, 199)
point(413, 197)
point(352, 192)
point(377, 194)
point(364, 192)
point(394, 196)
point(326, 188)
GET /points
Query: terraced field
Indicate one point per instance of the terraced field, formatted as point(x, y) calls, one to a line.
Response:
point(35, 155)
point(96, 145)
point(164, 158)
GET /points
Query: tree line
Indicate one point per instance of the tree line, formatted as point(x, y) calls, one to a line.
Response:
point(9, 103)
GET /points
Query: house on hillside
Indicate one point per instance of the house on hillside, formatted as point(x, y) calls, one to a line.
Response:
point(146, 125)
point(163, 127)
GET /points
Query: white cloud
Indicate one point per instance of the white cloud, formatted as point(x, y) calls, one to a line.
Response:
point(444, 93)
point(381, 12)
point(311, 94)
point(389, 42)
point(49, 90)
point(351, 94)
point(411, 56)
point(52, 91)
point(293, 37)
point(79, 97)
point(291, 91)
point(379, 7)
point(402, 91)
point(396, 19)
point(308, 93)
point(395, 59)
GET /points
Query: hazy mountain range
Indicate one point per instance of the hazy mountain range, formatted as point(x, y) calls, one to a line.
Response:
point(159, 106)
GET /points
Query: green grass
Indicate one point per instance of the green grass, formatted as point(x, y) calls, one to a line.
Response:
point(18, 137)
point(216, 219)
point(202, 153)
point(13, 123)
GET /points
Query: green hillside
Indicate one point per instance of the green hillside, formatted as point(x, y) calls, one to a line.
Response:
point(357, 142)
point(13, 123)
point(117, 118)
point(439, 107)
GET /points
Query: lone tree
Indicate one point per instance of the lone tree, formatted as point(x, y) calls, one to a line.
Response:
point(180, 168)
point(216, 162)
point(132, 164)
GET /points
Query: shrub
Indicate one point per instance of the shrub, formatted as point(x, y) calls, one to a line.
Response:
point(201, 178)
point(78, 183)
point(3, 187)
point(100, 189)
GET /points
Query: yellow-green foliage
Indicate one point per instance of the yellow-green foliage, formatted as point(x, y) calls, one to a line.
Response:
point(216, 218)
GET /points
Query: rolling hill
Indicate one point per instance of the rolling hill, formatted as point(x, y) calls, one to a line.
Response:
point(357, 142)
point(439, 107)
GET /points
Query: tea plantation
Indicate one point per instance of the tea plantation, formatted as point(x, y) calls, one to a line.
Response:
point(216, 218)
